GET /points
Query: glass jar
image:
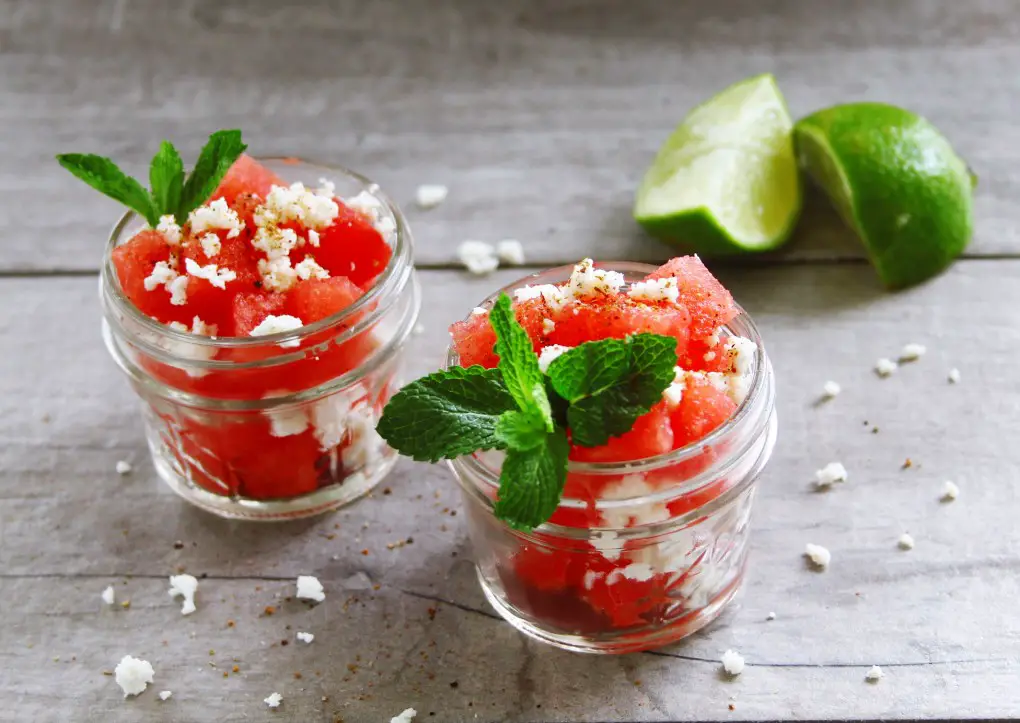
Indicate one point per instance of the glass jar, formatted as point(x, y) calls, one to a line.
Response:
point(651, 565)
point(278, 426)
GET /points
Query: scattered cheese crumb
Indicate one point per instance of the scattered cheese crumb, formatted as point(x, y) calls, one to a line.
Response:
point(478, 257)
point(178, 288)
point(818, 555)
point(165, 694)
point(733, 662)
point(830, 473)
point(274, 700)
point(770, 616)
point(123, 467)
point(309, 588)
point(430, 195)
point(552, 295)
point(305, 637)
point(278, 325)
point(184, 586)
point(109, 596)
point(912, 352)
point(884, 367)
point(479, 311)
point(171, 231)
point(638, 571)
point(674, 394)
point(548, 326)
point(906, 541)
point(312, 209)
point(210, 272)
point(709, 356)
point(655, 290)
point(133, 675)
point(309, 268)
point(949, 491)
point(587, 281)
point(954, 376)
point(211, 244)
point(831, 389)
point(510, 251)
point(874, 674)
point(313, 238)
point(743, 352)
point(406, 717)
point(549, 354)
point(216, 215)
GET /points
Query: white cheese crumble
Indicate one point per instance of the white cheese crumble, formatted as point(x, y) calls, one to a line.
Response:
point(629, 487)
point(913, 352)
point(638, 571)
point(123, 467)
point(478, 257)
point(274, 700)
point(405, 717)
point(430, 195)
point(277, 273)
point(365, 443)
point(305, 637)
point(655, 290)
point(874, 674)
point(551, 294)
point(184, 586)
point(210, 272)
point(830, 473)
point(607, 543)
point(949, 491)
point(479, 311)
point(954, 376)
point(309, 268)
point(770, 616)
point(884, 367)
point(178, 289)
point(550, 354)
point(165, 694)
point(109, 596)
point(743, 352)
point(329, 417)
point(164, 274)
point(733, 662)
point(818, 555)
point(510, 251)
point(285, 421)
point(313, 238)
point(548, 326)
point(709, 356)
point(590, 577)
point(278, 325)
point(133, 675)
point(171, 231)
point(216, 215)
point(906, 541)
point(374, 209)
point(309, 588)
point(211, 244)
point(587, 281)
point(831, 389)
point(297, 204)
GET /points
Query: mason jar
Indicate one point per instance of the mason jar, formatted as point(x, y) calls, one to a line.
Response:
point(278, 426)
point(647, 565)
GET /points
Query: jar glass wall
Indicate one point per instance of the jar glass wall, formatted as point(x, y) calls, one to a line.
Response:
point(646, 565)
point(277, 426)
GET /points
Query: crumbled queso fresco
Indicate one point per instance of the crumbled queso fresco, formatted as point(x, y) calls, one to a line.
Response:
point(133, 675)
point(273, 700)
point(733, 662)
point(184, 586)
point(830, 473)
point(818, 555)
point(406, 717)
point(309, 588)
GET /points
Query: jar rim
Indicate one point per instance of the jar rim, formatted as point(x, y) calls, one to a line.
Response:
point(403, 250)
point(755, 408)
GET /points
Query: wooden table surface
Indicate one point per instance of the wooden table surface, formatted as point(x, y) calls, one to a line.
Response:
point(541, 117)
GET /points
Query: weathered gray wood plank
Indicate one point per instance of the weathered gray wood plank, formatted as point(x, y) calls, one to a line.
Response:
point(935, 617)
point(540, 117)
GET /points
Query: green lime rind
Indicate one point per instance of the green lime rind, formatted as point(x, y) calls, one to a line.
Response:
point(896, 181)
point(726, 179)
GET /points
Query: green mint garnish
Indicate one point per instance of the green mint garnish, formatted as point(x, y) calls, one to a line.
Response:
point(599, 389)
point(612, 382)
point(447, 414)
point(170, 194)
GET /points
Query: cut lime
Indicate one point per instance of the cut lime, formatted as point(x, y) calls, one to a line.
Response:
point(896, 181)
point(726, 180)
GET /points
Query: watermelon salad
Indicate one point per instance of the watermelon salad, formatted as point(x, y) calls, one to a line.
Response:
point(604, 585)
point(261, 257)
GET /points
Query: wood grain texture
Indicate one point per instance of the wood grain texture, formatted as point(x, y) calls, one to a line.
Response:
point(938, 618)
point(541, 117)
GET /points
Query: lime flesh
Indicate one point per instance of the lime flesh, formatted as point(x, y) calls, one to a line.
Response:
point(897, 183)
point(726, 179)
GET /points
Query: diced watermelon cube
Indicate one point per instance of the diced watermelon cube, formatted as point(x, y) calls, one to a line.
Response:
point(134, 262)
point(473, 339)
point(316, 299)
point(351, 247)
point(702, 408)
point(650, 436)
point(708, 301)
point(246, 176)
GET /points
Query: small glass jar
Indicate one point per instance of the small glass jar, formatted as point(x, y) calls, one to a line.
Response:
point(278, 426)
point(652, 565)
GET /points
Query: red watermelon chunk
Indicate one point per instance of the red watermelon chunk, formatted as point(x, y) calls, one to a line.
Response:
point(352, 247)
point(708, 301)
point(650, 436)
point(246, 176)
point(316, 299)
point(702, 409)
point(134, 261)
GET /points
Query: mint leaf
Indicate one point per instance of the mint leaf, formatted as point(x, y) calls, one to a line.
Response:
point(518, 362)
point(612, 382)
point(216, 158)
point(166, 179)
point(447, 414)
point(521, 430)
point(531, 482)
point(104, 176)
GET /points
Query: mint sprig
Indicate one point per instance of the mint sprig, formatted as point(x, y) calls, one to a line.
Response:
point(599, 389)
point(610, 383)
point(169, 193)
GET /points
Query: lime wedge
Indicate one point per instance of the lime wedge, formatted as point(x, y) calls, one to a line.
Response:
point(726, 180)
point(896, 182)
